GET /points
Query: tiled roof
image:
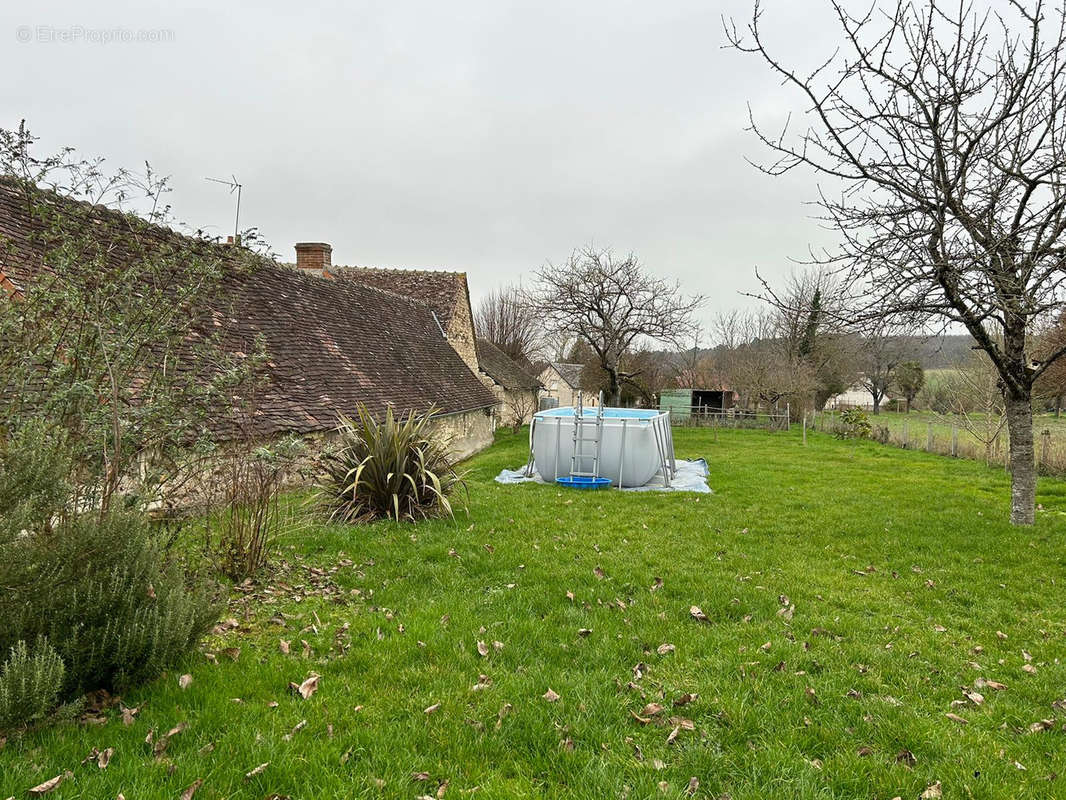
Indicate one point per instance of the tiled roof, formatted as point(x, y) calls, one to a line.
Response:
point(502, 368)
point(439, 289)
point(330, 344)
point(334, 344)
point(571, 373)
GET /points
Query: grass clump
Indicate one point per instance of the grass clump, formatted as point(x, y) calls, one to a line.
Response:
point(395, 469)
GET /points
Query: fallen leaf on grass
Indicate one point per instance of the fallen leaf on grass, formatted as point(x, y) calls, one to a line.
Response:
point(685, 699)
point(932, 792)
point(664, 649)
point(983, 683)
point(599, 573)
point(1029, 669)
point(550, 695)
point(651, 709)
point(482, 648)
point(188, 793)
point(431, 709)
point(673, 734)
point(657, 585)
point(697, 614)
point(1042, 725)
point(957, 718)
point(906, 757)
point(50, 785)
point(307, 688)
point(257, 771)
point(283, 646)
point(584, 632)
point(184, 681)
point(974, 697)
point(693, 785)
point(296, 729)
point(232, 653)
point(128, 714)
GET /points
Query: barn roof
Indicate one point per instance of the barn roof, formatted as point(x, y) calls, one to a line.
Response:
point(502, 368)
point(330, 344)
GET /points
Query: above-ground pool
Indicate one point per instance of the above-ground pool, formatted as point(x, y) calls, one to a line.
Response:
point(634, 443)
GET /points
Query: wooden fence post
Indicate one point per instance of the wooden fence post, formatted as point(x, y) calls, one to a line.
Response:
point(906, 435)
point(954, 440)
point(1045, 446)
point(804, 428)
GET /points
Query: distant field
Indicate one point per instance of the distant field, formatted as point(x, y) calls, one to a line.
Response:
point(914, 430)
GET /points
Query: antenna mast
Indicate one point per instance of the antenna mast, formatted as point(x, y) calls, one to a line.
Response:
point(234, 186)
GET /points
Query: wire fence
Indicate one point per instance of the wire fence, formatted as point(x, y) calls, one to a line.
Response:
point(987, 441)
point(711, 417)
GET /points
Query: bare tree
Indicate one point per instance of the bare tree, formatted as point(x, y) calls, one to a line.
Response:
point(756, 359)
point(909, 378)
point(944, 123)
point(882, 350)
point(810, 318)
point(505, 319)
point(975, 401)
point(611, 304)
point(1052, 385)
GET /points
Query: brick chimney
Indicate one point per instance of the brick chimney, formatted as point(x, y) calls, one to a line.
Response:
point(315, 257)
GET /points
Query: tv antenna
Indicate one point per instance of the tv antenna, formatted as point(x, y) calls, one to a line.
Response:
point(234, 186)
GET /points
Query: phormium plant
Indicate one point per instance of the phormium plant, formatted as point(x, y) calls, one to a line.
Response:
point(396, 469)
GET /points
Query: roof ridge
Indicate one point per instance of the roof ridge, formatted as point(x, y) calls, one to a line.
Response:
point(420, 270)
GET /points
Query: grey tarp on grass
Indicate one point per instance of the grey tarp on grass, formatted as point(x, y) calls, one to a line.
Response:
point(691, 477)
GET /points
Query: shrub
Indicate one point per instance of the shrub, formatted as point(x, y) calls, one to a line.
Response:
point(29, 683)
point(242, 535)
point(396, 469)
point(853, 424)
point(109, 596)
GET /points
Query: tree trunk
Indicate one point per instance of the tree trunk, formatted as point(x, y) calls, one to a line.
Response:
point(877, 402)
point(1022, 460)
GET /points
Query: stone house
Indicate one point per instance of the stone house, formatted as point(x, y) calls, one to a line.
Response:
point(516, 390)
point(562, 383)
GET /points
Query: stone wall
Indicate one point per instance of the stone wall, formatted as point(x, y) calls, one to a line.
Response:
point(469, 431)
point(461, 333)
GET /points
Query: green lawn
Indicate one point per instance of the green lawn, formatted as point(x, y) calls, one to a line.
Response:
point(900, 566)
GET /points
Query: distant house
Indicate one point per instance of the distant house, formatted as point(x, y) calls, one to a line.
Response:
point(331, 343)
point(516, 390)
point(562, 384)
point(857, 396)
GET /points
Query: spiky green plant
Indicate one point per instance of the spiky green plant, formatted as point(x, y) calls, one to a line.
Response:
point(398, 468)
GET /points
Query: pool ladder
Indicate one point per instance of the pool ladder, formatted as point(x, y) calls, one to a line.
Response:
point(581, 456)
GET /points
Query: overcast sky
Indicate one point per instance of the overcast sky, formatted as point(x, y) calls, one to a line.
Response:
point(488, 136)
